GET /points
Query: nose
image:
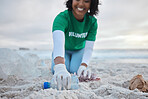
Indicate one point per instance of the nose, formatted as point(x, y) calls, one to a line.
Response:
point(81, 3)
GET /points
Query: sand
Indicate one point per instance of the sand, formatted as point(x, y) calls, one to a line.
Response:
point(115, 75)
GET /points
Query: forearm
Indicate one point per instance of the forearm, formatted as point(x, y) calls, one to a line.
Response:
point(87, 53)
point(58, 49)
point(84, 64)
point(59, 60)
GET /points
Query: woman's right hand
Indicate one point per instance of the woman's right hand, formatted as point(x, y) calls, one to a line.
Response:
point(62, 77)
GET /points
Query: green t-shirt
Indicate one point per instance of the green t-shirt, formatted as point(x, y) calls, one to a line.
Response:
point(76, 33)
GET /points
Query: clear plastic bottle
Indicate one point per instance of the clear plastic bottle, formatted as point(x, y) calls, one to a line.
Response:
point(74, 83)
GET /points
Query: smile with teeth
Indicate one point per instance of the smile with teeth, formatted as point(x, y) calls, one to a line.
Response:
point(80, 9)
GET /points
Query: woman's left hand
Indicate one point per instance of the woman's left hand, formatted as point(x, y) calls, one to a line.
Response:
point(84, 71)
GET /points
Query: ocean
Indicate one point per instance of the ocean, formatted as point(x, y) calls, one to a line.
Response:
point(120, 54)
point(98, 54)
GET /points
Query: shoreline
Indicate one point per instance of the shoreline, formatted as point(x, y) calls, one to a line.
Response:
point(113, 85)
point(115, 75)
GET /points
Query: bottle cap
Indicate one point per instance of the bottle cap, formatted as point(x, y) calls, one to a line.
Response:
point(46, 85)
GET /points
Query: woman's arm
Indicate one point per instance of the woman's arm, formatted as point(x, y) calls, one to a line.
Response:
point(58, 49)
point(87, 52)
point(86, 57)
point(60, 71)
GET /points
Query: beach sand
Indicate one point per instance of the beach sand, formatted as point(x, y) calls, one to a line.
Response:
point(115, 75)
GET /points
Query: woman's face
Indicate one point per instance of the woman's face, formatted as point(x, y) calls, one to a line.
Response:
point(80, 8)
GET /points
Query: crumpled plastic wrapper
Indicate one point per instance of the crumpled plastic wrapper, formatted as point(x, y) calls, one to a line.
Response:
point(86, 79)
point(139, 83)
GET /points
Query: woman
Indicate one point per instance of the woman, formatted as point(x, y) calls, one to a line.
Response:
point(74, 33)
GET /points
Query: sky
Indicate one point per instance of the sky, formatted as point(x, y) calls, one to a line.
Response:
point(122, 24)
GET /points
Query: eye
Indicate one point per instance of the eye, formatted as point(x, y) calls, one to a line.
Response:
point(87, 1)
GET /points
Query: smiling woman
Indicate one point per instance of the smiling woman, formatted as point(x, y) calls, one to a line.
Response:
point(80, 7)
point(74, 34)
point(93, 6)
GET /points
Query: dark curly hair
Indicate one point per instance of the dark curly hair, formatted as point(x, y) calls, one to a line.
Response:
point(93, 6)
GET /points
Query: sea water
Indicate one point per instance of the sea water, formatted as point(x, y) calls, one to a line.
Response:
point(120, 54)
point(99, 53)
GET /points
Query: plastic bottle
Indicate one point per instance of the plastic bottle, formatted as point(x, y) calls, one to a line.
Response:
point(74, 83)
